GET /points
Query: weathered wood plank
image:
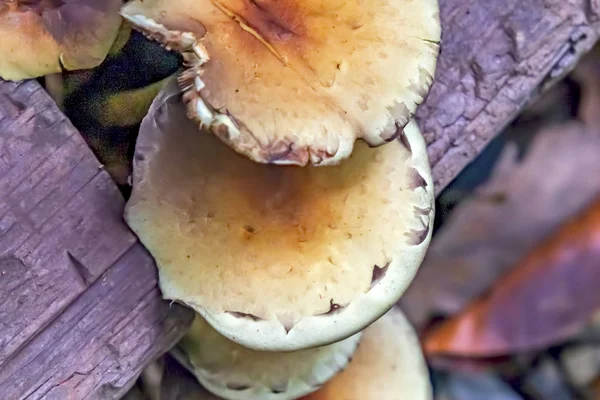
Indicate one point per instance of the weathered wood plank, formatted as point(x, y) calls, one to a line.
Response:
point(56, 215)
point(80, 312)
point(496, 57)
point(97, 345)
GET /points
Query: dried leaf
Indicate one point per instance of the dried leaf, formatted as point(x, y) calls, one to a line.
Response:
point(551, 295)
point(595, 388)
point(520, 205)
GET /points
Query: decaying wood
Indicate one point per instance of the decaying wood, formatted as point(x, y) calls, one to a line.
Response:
point(496, 57)
point(80, 312)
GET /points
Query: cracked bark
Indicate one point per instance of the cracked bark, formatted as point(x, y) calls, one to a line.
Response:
point(496, 57)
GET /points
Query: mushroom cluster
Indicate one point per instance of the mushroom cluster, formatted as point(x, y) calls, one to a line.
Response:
point(384, 362)
point(284, 190)
point(278, 258)
point(236, 372)
point(280, 181)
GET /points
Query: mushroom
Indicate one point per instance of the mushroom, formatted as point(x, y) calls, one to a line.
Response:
point(278, 258)
point(298, 82)
point(234, 372)
point(388, 365)
point(43, 37)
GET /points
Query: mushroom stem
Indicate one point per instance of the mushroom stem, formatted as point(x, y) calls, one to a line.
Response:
point(55, 86)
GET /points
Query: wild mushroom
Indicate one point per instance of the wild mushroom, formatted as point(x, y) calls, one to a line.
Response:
point(278, 258)
point(297, 82)
point(388, 365)
point(235, 372)
point(42, 37)
point(107, 105)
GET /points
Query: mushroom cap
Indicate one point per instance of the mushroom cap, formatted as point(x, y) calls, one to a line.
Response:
point(278, 258)
point(41, 37)
point(297, 82)
point(388, 365)
point(235, 372)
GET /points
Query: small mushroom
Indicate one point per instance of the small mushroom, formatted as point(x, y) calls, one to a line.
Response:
point(234, 372)
point(388, 365)
point(297, 82)
point(43, 37)
point(278, 258)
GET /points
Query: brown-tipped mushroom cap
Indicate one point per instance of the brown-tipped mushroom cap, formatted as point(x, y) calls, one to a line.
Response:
point(235, 372)
point(388, 365)
point(297, 82)
point(41, 37)
point(279, 257)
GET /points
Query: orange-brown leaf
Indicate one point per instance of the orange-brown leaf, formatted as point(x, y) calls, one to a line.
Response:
point(548, 297)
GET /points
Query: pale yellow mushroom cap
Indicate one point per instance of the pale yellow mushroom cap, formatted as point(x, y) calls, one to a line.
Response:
point(279, 258)
point(42, 37)
point(297, 82)
point(235, 372)
point(388, 365)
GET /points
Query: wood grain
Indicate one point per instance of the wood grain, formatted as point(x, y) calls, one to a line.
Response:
point(496, 57)
point(80, 312)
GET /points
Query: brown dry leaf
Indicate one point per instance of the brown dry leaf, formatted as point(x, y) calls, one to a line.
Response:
point(595, 388)
point(550, 296)
point(520, 204)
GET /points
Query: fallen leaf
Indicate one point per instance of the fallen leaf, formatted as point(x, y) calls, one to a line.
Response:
point(595, 389)
point(486, 235)
point(550, 296)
